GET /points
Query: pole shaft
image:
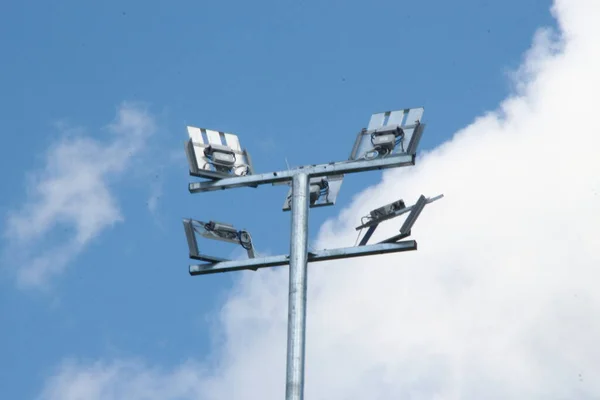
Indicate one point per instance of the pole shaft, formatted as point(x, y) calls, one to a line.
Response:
point(294, 389)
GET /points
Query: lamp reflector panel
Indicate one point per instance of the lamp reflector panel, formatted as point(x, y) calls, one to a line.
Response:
point(323, 191)
point(213, 154)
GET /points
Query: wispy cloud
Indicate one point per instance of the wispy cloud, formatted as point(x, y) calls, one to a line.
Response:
point(69, 200)
point(500, 301)
point(130, 380)
point(155, 194)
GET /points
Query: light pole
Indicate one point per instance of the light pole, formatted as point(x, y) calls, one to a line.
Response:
point(390, 141)
point(294, 384)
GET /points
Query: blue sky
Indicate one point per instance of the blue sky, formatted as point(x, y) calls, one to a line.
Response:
point(294, 79)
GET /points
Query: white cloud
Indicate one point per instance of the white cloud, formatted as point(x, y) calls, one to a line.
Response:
point(499, 302)
point(130, 380)
point(70, 196)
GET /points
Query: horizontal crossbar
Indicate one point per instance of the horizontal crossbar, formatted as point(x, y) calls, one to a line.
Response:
point(344, 167)
point(320, 255)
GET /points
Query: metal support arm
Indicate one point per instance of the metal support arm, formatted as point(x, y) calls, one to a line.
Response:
point(344, 167)
point(319, 255)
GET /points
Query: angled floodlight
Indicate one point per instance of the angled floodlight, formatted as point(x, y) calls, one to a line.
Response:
point(214, 155)
point(387, 210)
point(390, 133)
point(390, 211)
point(216, 231)
point(394, 210)
point(323, 191)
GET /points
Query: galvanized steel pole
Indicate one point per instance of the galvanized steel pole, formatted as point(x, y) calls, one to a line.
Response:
point(294, 389)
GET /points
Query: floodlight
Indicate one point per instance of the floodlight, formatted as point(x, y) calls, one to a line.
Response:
point(382, 212)
point(390, 211)
point(389, 133)
point(216, 231)
point(222, 157)
point(214, 155)
point(394, 210)
point(383, 143)
point(315, 190)
point(220, 231)
point(386, 138)
point(323, 191)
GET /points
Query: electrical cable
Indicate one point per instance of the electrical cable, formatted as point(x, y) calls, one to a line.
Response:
point(400, 141)
point(245, 172)
point(362, 222)
point(324, 189)
point(358, 236)
point(245, 240)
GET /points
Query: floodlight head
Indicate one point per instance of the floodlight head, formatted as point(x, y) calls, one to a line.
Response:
point(387, 210)
point(389, 133)
point(395, 130)
point(214, 155)
point(323, 191)
point(221, 230)
point(315, 192)
point(383, 143)
point(222, 157)
point(216, 231)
